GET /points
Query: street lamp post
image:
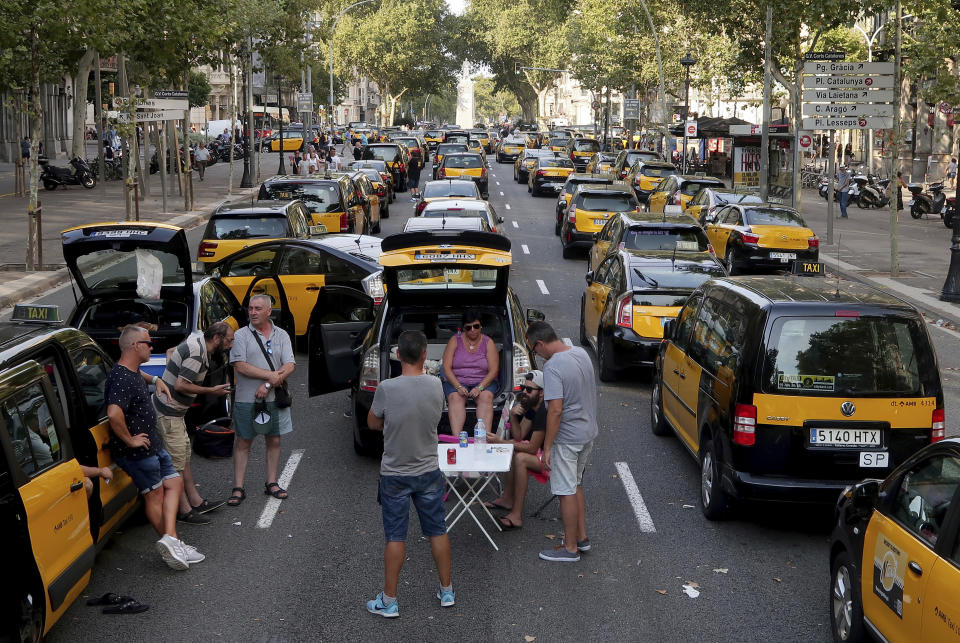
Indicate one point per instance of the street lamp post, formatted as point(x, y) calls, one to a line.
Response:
point(333, 30)
point(687, 61)
point(283, 168)
point(246, 181)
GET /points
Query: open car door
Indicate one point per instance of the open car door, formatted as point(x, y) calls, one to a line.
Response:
point(338, 325)
point(281, 315)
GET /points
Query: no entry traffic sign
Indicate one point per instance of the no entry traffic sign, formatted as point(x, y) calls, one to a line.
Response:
point(691, 129)
point(805, 141)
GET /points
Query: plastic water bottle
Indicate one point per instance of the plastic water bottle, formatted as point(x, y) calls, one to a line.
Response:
point(480, 435)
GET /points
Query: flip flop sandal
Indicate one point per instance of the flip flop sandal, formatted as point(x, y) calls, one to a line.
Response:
point(108, 599)
point(509, 525)
point(279, 493)
point(493, 505)
point(206, 505)
point(234, 501)
point(129, 607)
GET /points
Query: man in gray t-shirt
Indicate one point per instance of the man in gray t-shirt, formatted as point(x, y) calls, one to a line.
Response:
point(407, 409)
point(570, 391)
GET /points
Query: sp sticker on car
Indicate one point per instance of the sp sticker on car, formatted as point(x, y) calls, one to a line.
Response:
point(888, 566)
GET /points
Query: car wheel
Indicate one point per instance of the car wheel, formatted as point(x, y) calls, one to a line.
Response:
point(731, 262)
point(846, 610)
point(386, 213)
point(556, 229)
point(948, 219)
point(568, 252)
point(606, 370)
point(658, 425)
point(713, 499)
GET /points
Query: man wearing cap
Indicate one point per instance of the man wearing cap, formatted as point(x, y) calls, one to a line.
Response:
point(843, 185)
point(528, 422)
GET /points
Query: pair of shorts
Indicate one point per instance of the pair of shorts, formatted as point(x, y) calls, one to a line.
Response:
point(494, 387)
point(150, 472)
point(567, 462)
point(951, 175)
point(426, 491)
point(173, 430)
point(413, 181)
point(281, 421)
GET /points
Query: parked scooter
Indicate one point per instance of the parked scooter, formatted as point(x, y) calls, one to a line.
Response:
point(948, 212)
point(923, 203)
point(78, 173)
point(873, 194)
point(824, 188)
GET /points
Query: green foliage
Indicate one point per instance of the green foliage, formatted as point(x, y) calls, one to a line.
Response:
point(199, 89)
point(930, 49)
point(490, 101)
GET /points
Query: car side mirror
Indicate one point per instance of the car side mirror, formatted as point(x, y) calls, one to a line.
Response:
point(534, 315)
point(865, 495)
point(668, 328)
point(589, 277)
point(595, 235)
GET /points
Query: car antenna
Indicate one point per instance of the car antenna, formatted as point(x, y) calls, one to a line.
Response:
point(673, 259)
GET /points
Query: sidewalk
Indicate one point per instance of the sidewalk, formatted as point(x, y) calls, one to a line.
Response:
point(861, 251)
point(74, 205)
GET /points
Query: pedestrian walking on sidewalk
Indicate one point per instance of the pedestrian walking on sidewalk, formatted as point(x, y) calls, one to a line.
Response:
point(843, 186)
point(407, 409)
point(570, 391)
point(952, 173)
point(202, 157)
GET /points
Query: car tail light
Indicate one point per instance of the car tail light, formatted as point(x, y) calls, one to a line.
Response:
point(442, 173)
point(521, 366)
point(370, 369)
point(373, 286)
point(541, 173)
point(813, 242)
point(385, 176)
point(639, 208)
point(344, 222)
point(637, 179)
point(381, 191)
point(420, 207)
point(711, 250)
point(846, 313)
point(483, 173)
point(676, 199)
point(573, 215)
point(207, 249)
point(937, 425)
point(401, 167)
point(625, 311)
point(745, 425)
point(571, 156)
point(750, 238)
point(623, 173)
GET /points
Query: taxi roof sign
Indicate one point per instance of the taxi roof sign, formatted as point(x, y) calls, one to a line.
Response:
point(809, 269)
point(36, 313)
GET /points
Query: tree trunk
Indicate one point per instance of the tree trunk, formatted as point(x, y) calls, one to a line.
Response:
point(233, 125)
point(36, 107)
point(80, 82)
point(187, 165)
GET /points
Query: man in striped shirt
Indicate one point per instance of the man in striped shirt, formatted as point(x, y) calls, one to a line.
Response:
point(187, 367)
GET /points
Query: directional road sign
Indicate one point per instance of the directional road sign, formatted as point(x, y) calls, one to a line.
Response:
point(863, 122)
point(164, 115)
point(164, 103)
point(631, 108)
point(171, 93)
point(847, 109)
point(848, 95)
point(847, 68)
point(304, 102)
point(825, 55)
point(847, 82)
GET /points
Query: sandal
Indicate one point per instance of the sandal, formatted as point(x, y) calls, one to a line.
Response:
point(128, 607)
point(509, 525)
point(234, 501)
point(109, 599)
point(494, 505)
point(279, 493)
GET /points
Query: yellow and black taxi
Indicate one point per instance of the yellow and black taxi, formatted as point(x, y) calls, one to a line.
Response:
point(446, 189)
point(645, 176)
point(588, 212)
point(380, 167)
point(293, 271)
point(483, 137)
point(417, 148)
point(790, 388)
point(580, 151)
point(895, 552)
point(465, 166)
point(709, 201)
point(634, 292)
point(475, 147)
point(761, 236)
point(367, 195)
point(526, 160)
point(434, 137)
point(626, 158)
point(600, 163)
point(510, 148)
point(548, 174)
point(574, 181)
point(679, 189)
point(238, 225)
point(429, 278)
point(332, 200)
point(292, 140)
point(557, 143)
point(396, 158)
point(649, 232)
point(447, 148)
point(381, 188)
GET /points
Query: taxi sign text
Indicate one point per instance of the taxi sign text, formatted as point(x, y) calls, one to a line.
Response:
point(36, 313)
point(808, 268)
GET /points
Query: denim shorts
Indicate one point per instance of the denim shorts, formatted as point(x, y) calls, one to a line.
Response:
point(426, 491)
point(567, 462)
point(150, 472)
point(494, 387)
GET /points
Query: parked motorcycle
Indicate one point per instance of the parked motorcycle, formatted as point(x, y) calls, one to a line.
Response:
point(948, 212)
point(873, 193)
point(824, 188)
point(927, 203)
point(79, 173)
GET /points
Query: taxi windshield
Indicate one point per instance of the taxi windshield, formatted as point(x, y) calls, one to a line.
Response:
point(661, 299)
point(265, 227)
point(433, 133)
point(607, 203)
point(317, 198)
point(679, 239)
point(111, 268)
point(844, 356)
point(454, 212)
point(586, 145)
point(446, 277)
point(451, 148)
point(773, 216)
point(558, 142)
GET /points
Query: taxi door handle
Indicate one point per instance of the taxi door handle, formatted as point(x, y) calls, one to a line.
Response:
point(312, 288)
point(76, 486)
point(915, 567)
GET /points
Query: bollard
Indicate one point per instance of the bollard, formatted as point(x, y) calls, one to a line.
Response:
point(951, 287)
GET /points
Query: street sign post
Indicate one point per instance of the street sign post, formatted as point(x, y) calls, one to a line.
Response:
point(842, 122)
point(813, 67)
point(631, 109)
point(171, 93)
point(847, 109)
point(691, 129)
point(806, 141)
point(848, 95)
point(161, 115)
point(304, 102)
point(841, 81)
point(164, 103)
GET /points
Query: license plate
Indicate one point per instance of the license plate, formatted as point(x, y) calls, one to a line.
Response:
point(874, 459)
point(599, 222)
point(784, 257)
point(845, 437)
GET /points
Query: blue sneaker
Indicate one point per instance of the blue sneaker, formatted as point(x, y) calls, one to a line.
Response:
point(376, 606)
point(559, 554)
point(448, 598)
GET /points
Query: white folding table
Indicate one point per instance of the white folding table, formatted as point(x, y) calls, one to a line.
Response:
point(476, 468)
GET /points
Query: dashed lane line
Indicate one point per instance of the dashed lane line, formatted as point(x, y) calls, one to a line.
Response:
point(525, 249)
point(498, 182)
point(515, 224)
point(636, 500)
point(273, 504)
point(501, 193)
point(506, 205)
point(543, 287)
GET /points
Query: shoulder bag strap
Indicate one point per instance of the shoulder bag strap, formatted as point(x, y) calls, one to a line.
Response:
point(265, 354)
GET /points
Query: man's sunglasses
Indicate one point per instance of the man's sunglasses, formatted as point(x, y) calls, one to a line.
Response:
point(148, 342)
point(477, 326)
point(530, 389)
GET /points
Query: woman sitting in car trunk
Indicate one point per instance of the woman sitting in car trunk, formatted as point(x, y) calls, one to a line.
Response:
point(471, 369)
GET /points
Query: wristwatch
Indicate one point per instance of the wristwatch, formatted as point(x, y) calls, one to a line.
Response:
point(267, 385)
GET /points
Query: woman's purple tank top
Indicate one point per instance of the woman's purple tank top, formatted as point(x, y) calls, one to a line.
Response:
point(470, 368)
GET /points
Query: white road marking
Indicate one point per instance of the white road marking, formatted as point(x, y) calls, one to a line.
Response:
point(515, 225)
point(633, 494)
point(498, 182)
point(543, 287)
point(273, 504)
point(506, 205)
point(501, 193)
point(568, 341)
point(525, 249)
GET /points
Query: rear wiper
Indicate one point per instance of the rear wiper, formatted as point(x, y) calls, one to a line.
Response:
point(649, 280)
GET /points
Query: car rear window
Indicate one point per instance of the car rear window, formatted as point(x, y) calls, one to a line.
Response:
point(686, 276)
point(691, 188)
point(267, 226)
point(653, 170)
point(458, 138)
point(558, 142)
point(389, 154)
point(844, 356)
point(453, 160)
point(679, 239)
point(447, 148)
point(434, 133)
point(607, 203)
point(556, 163)
point(453, 212)
point(449, 188)
point(661, 299)
point(372, 174)
point(586, 145)
point(323, 197)
point(409, 142)
point(773, 216)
